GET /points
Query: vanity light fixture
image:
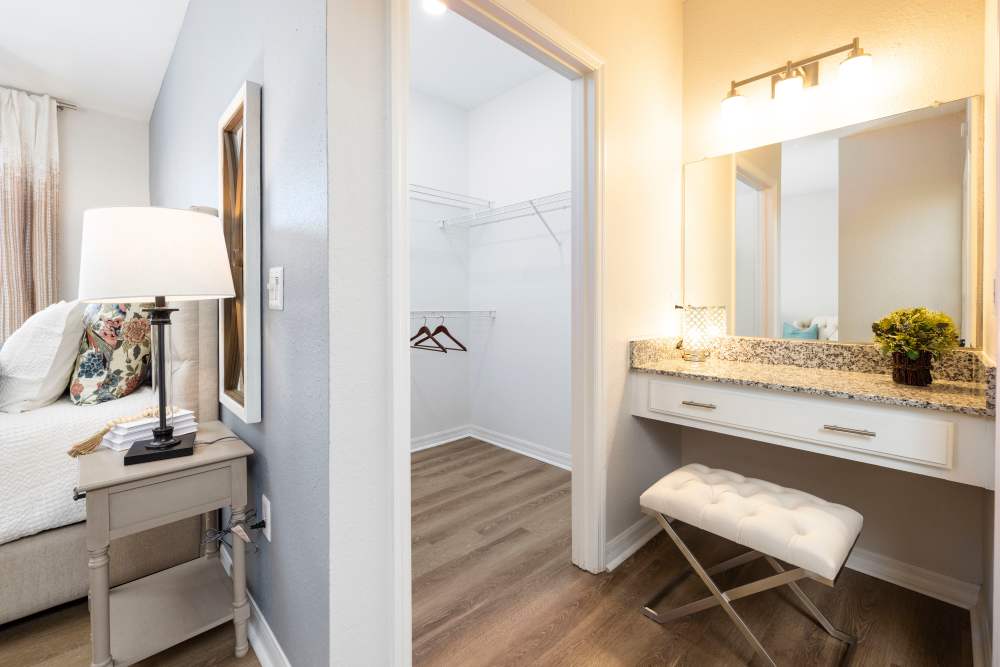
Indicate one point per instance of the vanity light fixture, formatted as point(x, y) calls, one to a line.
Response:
point(790, 79)
point(434, 7)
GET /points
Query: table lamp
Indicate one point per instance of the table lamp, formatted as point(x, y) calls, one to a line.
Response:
point(147, 254)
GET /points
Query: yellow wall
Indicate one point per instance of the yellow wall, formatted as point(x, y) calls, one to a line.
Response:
point(640, 42)
point(924, 51)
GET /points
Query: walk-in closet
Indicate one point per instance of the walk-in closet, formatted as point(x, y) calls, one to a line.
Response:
point(489, 156)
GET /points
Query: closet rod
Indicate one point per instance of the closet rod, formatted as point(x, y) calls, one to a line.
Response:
point(433, 313)
point(527, 209)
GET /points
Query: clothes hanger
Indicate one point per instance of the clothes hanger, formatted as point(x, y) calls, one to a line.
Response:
point(442, 329)
point(428, 336)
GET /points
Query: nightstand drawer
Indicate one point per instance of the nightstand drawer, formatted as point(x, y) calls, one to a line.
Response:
point(159, 503)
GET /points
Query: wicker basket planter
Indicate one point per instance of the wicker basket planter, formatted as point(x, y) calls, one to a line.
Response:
point(913, 372)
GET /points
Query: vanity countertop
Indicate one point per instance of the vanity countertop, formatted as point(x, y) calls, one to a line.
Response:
point(968, 398)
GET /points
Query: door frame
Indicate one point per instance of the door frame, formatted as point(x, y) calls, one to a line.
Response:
point(521, 25)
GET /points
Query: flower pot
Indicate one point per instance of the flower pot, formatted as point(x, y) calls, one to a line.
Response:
point(913, 372)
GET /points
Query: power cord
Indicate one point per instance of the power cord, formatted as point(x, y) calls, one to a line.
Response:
point(213, 535)
point(212, 442)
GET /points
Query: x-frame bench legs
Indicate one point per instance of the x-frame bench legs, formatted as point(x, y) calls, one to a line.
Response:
point(782, 577)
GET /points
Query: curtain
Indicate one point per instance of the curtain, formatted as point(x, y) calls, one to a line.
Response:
point(29, 206)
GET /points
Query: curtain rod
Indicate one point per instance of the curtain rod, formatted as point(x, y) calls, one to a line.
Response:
point(60, 104)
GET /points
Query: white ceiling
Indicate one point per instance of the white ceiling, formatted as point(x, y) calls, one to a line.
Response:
point(459, 62)
point(107, 55)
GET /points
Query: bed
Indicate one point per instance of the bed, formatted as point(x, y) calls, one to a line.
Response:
point(43, 559)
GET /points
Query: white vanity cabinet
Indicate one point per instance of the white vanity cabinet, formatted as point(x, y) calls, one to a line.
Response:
point(947, 445)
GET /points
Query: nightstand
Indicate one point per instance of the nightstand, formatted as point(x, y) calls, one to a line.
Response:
point(143, 617)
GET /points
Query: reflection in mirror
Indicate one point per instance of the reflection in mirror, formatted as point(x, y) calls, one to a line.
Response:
point(818, 237)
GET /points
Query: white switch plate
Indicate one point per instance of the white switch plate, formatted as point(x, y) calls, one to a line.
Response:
point(276, 288)
point(265, 514)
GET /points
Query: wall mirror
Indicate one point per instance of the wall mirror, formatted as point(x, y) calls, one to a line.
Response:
point(239, 210)
point(840, 228)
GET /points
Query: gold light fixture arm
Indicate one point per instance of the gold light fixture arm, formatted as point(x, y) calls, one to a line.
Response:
point(854, 47)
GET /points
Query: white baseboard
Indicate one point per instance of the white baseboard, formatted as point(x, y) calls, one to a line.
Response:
point(439, 438)
point(262, 640)
point(982, 637)
point(540, 452)
point(629, 541)
point(530, 449)
point(939, 586)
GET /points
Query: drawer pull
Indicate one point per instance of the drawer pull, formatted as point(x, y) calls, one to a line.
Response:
point(696, 404)
point(852, 431)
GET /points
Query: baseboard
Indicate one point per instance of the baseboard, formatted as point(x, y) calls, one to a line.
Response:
point(982, 637)
point(262, 640)
point(439, 438)
point(629, 541)
point(540, 452)
point(939, 586)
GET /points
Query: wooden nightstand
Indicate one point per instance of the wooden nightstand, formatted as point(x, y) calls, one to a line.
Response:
point(143, 617)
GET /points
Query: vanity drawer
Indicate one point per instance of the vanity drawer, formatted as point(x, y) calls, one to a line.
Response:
point(871, 430)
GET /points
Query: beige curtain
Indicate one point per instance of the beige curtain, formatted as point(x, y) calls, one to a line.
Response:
point(29, 206)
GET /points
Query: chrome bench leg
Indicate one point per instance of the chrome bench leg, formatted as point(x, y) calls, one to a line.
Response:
point(811, 606)
point(721, 598)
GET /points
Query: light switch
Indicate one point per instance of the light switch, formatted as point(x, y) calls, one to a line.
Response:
point(276, 288)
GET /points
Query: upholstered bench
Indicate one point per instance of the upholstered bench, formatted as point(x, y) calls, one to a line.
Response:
point(810, 534)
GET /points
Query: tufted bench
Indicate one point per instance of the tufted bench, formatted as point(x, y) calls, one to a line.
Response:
point(776, 523)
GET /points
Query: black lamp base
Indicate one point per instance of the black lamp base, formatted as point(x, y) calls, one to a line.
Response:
point(144, 451)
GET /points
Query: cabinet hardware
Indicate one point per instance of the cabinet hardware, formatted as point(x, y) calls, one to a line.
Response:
point(696, 404)
point(852, 431)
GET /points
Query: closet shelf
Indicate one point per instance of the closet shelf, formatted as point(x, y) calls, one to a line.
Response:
point(529, 208)
point(446, 198)
point(432, 313)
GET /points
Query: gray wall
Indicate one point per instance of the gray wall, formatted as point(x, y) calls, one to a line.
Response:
point(282, 46)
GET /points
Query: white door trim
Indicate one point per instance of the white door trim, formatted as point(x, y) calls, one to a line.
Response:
point(523, 26)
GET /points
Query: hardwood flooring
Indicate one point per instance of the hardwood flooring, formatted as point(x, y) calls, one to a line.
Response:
point(493, 585)
point(60, 637)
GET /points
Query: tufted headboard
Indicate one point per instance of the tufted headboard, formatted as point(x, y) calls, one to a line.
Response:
point(194, 355)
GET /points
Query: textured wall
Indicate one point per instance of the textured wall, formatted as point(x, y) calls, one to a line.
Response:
point(282, 47)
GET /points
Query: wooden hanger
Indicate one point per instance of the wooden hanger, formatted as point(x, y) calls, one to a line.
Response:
point(427, 335)
point(442, 329)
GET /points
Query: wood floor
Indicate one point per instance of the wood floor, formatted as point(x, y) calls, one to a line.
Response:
point(493, 585)
point(60, 637)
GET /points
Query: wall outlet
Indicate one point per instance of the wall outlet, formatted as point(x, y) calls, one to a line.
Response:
point(265, 514)
point(276, 288)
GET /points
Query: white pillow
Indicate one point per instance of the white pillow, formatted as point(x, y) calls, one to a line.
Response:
point(37, 360)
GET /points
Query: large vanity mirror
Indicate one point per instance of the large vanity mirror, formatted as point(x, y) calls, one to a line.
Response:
point(820, 236)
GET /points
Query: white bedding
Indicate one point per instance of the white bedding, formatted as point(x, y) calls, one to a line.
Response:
point(36, 475)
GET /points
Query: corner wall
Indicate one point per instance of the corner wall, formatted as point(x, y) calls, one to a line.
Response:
point(282, 46)
point(642, 50)
point(103, 161)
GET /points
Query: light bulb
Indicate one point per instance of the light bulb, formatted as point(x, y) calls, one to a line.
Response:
point(789, 88)
point(434, 7)
point(733, 107)
point(855, 72)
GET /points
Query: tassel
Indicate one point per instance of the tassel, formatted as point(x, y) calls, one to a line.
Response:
point(93, 442)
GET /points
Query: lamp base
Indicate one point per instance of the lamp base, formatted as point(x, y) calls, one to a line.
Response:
point(144, 451)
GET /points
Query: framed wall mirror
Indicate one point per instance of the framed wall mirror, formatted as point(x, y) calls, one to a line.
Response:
point(819, 237)
point(239, 210)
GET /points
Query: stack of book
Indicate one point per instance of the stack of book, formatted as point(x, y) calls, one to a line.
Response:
point(122, 436)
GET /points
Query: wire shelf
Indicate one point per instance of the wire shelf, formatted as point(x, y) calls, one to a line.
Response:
point(452, 313)
point(445, 198)
point(528, 208)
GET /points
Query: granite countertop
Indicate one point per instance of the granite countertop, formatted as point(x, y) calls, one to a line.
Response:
point(969, 398)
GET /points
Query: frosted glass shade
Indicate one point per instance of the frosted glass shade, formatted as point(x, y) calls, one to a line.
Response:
point(132, 254)
point(702, 328)
point(789, 88)
point(856, 70)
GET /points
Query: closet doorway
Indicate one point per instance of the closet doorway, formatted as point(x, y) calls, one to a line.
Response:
point(496, 182)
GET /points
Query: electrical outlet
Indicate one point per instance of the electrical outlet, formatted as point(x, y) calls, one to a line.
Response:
point(265, 514)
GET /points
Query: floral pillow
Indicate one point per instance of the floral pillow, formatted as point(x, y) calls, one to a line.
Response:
point(114, 353)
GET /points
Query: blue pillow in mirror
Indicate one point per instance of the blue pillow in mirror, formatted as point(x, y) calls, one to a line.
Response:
point(792, 331)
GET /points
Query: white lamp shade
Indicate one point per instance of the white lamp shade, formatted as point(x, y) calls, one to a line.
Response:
point(133, 254)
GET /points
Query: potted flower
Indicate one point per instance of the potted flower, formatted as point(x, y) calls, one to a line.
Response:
point(914, 337)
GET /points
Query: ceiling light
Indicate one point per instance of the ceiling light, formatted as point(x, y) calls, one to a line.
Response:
point(434, 7)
